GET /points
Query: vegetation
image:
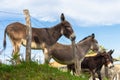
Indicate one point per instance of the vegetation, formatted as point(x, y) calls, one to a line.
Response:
point(100, 47)
point(33, 71)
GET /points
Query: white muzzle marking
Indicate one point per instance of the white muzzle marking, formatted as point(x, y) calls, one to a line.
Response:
point(110, 65)
point(72, 35)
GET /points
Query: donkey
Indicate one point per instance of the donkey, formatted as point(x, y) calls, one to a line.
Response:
point(64, 53)
point(42, 38)
point(95, 63)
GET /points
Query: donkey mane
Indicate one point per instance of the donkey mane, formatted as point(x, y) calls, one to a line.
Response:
point(84, 38)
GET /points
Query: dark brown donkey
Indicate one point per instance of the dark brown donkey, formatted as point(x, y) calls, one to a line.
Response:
point(95, 63)
point(42, 38)
point(64, 53)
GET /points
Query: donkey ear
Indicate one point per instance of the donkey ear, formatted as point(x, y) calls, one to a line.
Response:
point(62, 17)
point(93, 35)
point(111, 52)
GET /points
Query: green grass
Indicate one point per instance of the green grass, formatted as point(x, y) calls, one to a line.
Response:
point(33, 71)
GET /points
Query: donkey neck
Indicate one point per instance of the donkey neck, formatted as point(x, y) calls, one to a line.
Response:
point(54, 33)
point(84, 46)
point(100, 62)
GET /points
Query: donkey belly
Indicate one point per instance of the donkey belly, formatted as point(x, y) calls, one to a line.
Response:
point(64, 62)
point(66, 59)
point(33, 45)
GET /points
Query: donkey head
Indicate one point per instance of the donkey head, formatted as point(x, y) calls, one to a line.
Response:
point(94, 43)
point(67, 30)
point(108, 58)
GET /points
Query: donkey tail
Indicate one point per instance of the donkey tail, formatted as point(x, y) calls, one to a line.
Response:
point(4, 41)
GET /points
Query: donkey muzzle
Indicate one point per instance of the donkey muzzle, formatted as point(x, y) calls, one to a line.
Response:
point(110, 65)
point(72, 37)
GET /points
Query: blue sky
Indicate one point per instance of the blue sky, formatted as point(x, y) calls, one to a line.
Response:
point(101, 17)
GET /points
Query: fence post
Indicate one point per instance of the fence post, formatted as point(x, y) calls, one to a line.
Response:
point(29, 35)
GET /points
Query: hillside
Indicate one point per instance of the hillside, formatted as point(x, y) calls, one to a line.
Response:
point(33, 71)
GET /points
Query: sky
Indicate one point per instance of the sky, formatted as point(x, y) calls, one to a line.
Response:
point(101, 17)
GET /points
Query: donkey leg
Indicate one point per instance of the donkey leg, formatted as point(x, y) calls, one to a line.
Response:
point(99, 75)
point(47, 56)
point(18, 54)
point(15, 53)
point(93, 74)
point(71, 68)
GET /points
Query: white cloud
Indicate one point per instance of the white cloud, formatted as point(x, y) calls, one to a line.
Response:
point(93, 12)
point(84, 12)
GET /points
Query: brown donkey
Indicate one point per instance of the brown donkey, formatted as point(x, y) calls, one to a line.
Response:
point(64, 53)
point(42, 38)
